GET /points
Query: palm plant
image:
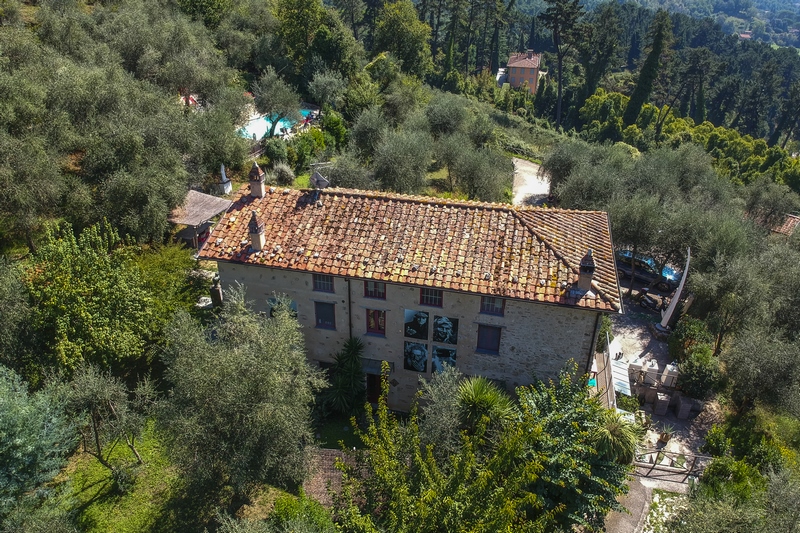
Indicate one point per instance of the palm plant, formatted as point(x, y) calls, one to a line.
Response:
point(616, 439)
point(482, 401)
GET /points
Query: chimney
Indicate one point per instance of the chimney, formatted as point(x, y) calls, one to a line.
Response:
point(530, 53)
point(257, 238)
point(257, 187)
point(586, 272)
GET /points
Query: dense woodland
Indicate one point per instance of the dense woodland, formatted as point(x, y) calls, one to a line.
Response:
point(123, 406)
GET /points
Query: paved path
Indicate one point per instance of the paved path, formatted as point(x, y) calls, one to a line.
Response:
point(529, 183)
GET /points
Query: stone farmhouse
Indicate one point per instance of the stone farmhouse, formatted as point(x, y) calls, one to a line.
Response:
point(524, 67)
point(498, 291)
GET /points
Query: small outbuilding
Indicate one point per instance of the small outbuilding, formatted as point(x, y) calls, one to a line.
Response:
point(196, 213)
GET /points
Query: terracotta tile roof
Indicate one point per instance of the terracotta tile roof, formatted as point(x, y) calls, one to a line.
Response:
point(788, 225)
point(522, 60)
point(483, 248)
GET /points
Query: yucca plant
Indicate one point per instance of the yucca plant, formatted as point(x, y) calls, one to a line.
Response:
point(616, 439)
point(479, 398)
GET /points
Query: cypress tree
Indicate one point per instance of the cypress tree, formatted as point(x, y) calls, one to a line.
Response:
point(700, 112)
point(649, 71)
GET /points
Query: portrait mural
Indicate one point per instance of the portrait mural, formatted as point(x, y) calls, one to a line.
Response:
point(445, 330)
point(416, 356)
point(442, 356)
point(416, 325)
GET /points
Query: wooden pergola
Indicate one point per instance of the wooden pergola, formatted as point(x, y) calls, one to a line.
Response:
point(195, 213)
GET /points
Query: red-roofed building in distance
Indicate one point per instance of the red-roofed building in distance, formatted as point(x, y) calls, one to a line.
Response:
point(509, 293)
point(524, 67)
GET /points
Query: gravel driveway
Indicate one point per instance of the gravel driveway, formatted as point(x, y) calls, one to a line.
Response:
point(530, 185)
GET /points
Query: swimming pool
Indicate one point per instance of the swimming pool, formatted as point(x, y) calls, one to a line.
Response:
point(260, 125)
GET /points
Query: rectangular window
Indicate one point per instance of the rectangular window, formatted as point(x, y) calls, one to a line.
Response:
point(376, 321)
point(375, 289)
point(513, 70)
point(488, 339)
point(323, 282)
point(492, 306)
point(512, 79)
point(325, 315)
point(430, 297)
point(530, 81)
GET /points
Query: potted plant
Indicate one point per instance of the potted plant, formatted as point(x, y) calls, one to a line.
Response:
point(666, 433)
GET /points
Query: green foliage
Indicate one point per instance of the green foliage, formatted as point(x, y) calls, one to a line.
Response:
point(617, 439)
point(728, 477)
point(333, 123)
point(283, 174)
point(368, 132)
point(717, 442)
point(35, 437)
point(699, 373)
point(275, 150)
point(275, 99)
point(538, 471)
point(688, 334)
point(109, 414)
point(92, 303)
point(289, 512)
point(483, 174)
point(482, 403)
point(446, 114)
point(327, 88)
point(401, 160)
point(400, 32)
point(347, 393)
point(605, 335)
point(239, 411)
point(210, 12)
point(347, 171)
point(661, 30)
point(628, 403)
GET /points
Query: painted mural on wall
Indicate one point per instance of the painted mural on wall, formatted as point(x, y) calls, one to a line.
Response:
point(416, 324)
point(416, 357)
point(442, 356)
point(445, 330)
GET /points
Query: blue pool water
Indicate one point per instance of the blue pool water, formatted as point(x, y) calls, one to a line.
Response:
point(259, 126)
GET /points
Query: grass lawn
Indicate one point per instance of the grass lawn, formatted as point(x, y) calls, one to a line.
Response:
point(335, 429)
point(102, 508)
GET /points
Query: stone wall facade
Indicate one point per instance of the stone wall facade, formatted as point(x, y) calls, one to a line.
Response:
point(536, 340)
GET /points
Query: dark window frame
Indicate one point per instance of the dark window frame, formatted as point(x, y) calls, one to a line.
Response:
point(376, 294)
point(432, 296)
point(486, 339)
point(380, 314)
point(318, 323)
point(487, 309)
point(321, 282)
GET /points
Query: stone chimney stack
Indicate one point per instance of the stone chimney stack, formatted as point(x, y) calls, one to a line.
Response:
point(257, 238)
point(257, 186)
point(586, 272)
point(530, 53)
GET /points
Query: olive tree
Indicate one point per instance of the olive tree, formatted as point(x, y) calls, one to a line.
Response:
point(239, 411)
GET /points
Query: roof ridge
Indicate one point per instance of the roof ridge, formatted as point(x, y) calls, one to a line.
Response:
point(562, 258)
point(418, 199)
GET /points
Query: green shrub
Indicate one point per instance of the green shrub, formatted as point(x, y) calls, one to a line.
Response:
point(347, 393)
point(699, 373)
point(292, 512)
point(717, 442)
point(275, 150)
point(283, 174)
point(605, 327)
point(688, 333)
point(628, 403)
